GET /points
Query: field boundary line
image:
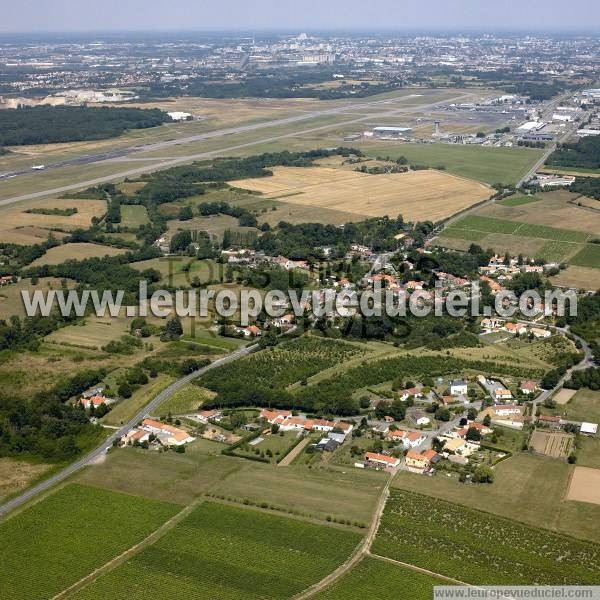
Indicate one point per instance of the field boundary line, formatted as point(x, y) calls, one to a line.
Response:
point(130, 552)
point(417, 569)
point(362, 550)
point(239, 503)
point(293, 453)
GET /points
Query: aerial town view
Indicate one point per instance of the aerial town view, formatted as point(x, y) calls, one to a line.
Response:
point(300, 301)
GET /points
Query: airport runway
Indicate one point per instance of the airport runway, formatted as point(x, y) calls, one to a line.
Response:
point(160, 163)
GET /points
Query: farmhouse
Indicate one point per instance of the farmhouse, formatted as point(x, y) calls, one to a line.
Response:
point(528, 387)
point(515, 328)
point(136, 435)
point(210, 415)
point(272, 416)
point(417, 462)
point(167, 433)
point(538, 332)
point(95, 401)
point(382, 460)
point(550, 421)
point(490, 325)
point(406, 394)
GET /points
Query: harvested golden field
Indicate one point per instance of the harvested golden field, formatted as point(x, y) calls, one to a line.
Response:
point(416, 195)
point(20, 227)
point(59, 254)
point(16, 475)
point(585, 485)
point(578, 277)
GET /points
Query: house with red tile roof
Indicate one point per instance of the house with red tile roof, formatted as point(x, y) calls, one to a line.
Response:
point(166, 433)
point(382, 460)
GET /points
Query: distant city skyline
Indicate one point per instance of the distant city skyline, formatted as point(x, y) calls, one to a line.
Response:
point(263, 15)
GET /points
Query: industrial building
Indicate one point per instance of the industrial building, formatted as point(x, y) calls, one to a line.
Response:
point(390, 132)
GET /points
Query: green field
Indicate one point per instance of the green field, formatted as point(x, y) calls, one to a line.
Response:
point(226, 552)
point(463, 234)
point(555, 251)
point(489, 165)
point(375, 578)
point(588, 256)
point(552, 244)
point(583, 406)
point(487, 224)
point(481, 548)
point(551, 233)
point(134, 215)
point(128, 407)
point(54, 543)
point(183, 478)
point(185, 400)
point(518, 200)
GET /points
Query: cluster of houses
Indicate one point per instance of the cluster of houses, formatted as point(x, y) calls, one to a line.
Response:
point(7, 279)
point(495, 325)
point(286, 421)
point(167, 434)
point(335, 431)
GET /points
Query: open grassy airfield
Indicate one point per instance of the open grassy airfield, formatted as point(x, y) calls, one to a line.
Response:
point(488, 165)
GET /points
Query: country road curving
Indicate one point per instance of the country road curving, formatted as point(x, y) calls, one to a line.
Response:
point(91, 456)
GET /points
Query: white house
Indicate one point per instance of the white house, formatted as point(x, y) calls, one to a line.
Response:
point(589, 428)
point(502, 394)
point(538, 332)
point(458, 388)
point(167, 433)
point(423, 421)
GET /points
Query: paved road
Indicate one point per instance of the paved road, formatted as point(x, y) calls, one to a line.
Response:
point(586, 362)
point(165, 164)
point(107, 443)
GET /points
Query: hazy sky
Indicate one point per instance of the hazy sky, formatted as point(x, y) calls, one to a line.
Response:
point(105, 15)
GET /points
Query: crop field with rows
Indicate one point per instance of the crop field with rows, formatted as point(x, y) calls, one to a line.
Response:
point(374, 578)
point(51, 545)
point(225, 552)
point(480, 548)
